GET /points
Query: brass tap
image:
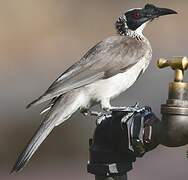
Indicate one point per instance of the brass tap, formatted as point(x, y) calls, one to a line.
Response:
point(173, 129)
point(178, 64)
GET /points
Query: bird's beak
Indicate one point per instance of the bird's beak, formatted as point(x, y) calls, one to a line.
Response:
point(152, 12)
point(164, 11)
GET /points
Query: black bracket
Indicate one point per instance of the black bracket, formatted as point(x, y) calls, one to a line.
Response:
point(109, 149)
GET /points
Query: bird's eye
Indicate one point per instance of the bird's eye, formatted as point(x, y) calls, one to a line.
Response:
point(136, 15)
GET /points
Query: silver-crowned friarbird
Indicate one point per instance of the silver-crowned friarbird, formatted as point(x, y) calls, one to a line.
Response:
point(105, 71)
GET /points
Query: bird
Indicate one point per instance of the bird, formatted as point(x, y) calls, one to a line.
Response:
point(103, 73)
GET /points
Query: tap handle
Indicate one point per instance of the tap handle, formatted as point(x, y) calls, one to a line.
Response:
point(178, 64)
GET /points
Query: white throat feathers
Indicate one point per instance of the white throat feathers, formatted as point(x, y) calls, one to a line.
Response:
point(122, 28)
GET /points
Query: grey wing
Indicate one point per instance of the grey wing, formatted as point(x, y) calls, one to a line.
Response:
point(107, 58)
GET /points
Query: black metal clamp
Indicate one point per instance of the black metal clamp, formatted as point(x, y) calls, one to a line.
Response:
point(117, 143)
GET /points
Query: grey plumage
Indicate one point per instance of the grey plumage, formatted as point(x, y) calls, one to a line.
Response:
point(41, 133)
point(59, 112)
point(112, 56)
point(105, 71)
point(120, 52)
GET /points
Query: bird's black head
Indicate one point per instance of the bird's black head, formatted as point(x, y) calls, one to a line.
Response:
point(134, 18)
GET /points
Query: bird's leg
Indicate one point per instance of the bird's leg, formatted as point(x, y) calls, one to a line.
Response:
point(100, 116)
point(84, 111)
point(95, 113)
point(134, 108)
point(87, 112)
point(105, 103)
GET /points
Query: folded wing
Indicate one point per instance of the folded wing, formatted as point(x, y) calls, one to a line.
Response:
point(109, 57)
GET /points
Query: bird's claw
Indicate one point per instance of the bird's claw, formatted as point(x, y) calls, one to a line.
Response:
point(131, 111)
point(102, 117)
point(141, 109)
point(135, 109)
point(84, 111)
point(145, 109)
point(95, 113)
point(87, 112)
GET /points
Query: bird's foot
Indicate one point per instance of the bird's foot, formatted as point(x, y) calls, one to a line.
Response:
point(146, 110)
point(95, 113)
point(102, 117)
point(134, 108)
point(87, 112)
point(126, 118)
point(84, 111)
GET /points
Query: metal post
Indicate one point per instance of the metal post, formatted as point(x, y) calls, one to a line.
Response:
point(109, 155)
point(110, 158)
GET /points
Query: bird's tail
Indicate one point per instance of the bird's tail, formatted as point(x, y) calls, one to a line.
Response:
point(40, 135)
point(63, 108)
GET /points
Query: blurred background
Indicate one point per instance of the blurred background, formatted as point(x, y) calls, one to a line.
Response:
point(39, 39)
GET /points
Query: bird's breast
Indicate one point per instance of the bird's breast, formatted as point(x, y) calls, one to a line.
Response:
point(113, 86)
